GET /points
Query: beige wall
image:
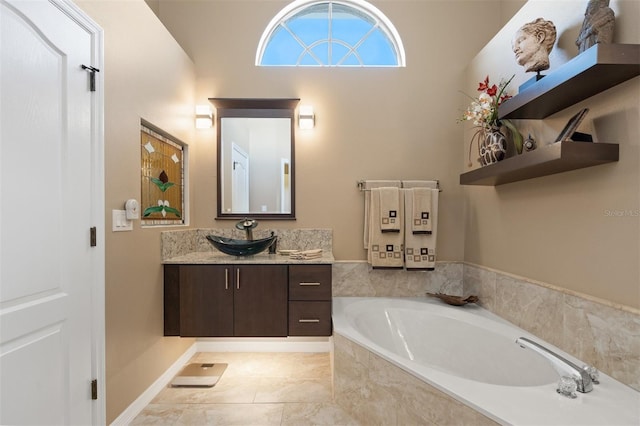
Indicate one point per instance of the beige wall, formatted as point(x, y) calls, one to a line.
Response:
point(374, 123)
point(147, 75)
point(564, 229)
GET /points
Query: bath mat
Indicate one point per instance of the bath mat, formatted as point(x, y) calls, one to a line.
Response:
point(199, 375)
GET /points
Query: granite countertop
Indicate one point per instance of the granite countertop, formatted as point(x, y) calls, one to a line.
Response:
point(216, 257)
point(190, 246)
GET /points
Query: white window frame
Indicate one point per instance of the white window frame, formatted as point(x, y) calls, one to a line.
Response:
point(295, 7)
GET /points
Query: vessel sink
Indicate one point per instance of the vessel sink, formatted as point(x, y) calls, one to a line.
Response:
point(241, 247)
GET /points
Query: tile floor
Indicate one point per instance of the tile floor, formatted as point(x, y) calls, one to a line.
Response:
point(256, 389)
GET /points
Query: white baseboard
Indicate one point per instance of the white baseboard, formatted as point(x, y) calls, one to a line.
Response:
point(136, 407)
point(235, 344)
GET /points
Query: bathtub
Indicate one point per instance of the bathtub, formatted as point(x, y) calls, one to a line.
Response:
point(470, 354)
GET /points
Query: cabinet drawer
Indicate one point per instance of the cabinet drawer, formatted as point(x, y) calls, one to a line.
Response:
point(309, 282)
point(309, 318)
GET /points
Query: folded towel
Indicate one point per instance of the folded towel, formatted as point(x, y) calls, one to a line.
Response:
point(420, 249)
point(305, 257)
point(367, 186)
point(385, 249)
point(306, 254)
point(389, 208)
point(421, 210)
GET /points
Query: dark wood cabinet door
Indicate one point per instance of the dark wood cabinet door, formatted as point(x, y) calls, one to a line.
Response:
point(206, 300)
point(171, 300)
point(260, 300)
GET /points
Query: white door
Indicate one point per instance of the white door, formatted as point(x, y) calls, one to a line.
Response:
point(51, 278)
point(239, 180)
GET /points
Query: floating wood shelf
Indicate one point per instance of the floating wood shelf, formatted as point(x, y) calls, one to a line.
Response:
point(547, 160)
point(597, 69)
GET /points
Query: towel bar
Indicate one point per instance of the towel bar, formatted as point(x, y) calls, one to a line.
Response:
point(361, 183)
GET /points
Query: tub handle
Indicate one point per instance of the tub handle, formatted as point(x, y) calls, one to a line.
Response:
point(302, 320)
point(309, 284)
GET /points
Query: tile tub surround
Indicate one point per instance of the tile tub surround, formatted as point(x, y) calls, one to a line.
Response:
point(374, 391)
point(357, 278)
point(594, 331)
point(179, 243)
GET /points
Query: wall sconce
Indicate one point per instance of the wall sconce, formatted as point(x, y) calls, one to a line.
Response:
point(306, 117)
point(204, 117)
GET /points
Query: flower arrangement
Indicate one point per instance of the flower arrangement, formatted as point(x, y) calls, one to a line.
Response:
point(483, 112)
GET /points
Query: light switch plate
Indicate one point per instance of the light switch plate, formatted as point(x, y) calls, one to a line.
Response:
point(120, 222)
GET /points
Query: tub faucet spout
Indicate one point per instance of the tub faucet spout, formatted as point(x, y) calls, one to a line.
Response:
point(562, 365)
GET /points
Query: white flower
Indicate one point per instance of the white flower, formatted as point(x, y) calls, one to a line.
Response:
point(163, 204)
point(484, 98)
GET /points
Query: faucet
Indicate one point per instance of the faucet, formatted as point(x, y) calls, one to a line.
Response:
point(562, 365)
point(247, 225)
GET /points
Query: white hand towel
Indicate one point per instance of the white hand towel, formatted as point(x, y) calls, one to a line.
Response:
point(386, 249)
point(421, 210)
point(367, 186)
point(389, 209)
point(420, 249)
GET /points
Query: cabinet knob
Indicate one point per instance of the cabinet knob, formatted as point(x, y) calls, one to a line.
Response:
point(308, 320)
point(309, 284)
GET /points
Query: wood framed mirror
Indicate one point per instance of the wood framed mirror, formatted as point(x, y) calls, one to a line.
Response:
point(256, 161)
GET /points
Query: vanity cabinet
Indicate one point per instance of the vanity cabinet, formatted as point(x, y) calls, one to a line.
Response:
point(248, 300)
point(226, 300)
point(310, 300)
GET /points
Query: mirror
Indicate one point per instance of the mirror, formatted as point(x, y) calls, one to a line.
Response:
point(255, 158)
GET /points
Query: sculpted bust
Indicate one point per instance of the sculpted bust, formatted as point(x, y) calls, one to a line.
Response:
point(598, 24)
point(532, 44)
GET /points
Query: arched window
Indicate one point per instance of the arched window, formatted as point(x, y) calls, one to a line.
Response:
point(330, 33)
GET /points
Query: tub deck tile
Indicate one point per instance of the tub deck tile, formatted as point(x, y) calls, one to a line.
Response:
point(375, 391)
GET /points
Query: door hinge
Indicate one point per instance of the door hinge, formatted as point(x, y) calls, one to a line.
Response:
point(92, 76)
point(93, 239)
point(94, 389)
